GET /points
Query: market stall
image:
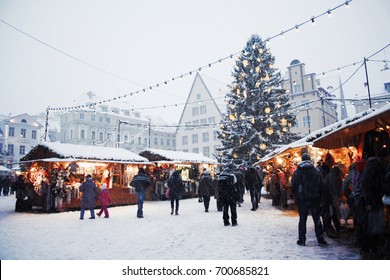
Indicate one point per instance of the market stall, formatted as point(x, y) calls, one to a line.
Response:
point(191, 166)
point(64, 166)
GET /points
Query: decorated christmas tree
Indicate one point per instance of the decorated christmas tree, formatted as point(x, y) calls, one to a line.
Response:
point(257, 118)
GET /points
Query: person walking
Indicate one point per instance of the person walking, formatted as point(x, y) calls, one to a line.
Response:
point(206, 189)
point(105, 200)
point(307, 185)
point(252, 183)
point(88, 200)
point(175, 183)
point(140, 182)
point(229, 195)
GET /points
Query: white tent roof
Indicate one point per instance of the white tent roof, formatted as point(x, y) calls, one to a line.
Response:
point(177, 156)
point(72, 152)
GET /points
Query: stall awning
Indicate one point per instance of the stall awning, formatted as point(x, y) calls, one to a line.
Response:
point(352, 133)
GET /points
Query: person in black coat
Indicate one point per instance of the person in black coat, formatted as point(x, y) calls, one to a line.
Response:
point(175, 183)
point(140, 182)
point(23, 195)
point(253, 183)
point(228, 191)
point(307, 184)
point(206, 189)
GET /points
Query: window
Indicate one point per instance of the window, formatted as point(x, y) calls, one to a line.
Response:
point(206, 151)
point(82, 134)
point(297, 88)
point(23, 133)
point(100, 119)
point(203, 110)
point(11, 131)
point(22, 150)
point(23, 121)
point(81, 116)
point(139, 141)
point(93, 118)
point(155, 141)
point(162, 141)
point(203, 121)
point(93, 135)
point(100, 136)
point(205, 137)
point(195, 111)
point(198, 96)
point(306, 121)
point(215, 135)
point(10, 149)
point(108, 120)
point(126, 138)
point(168, 142)
point(194, 138)
point(184, 140)
point(212, 120)
point(188, 125)
point(195, 150)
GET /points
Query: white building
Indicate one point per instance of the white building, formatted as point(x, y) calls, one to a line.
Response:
point(113, 125)
point(310, 102)
point(18, 135)
point(199, 121)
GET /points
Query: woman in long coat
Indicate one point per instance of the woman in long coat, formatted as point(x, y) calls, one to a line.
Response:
point(88, 200)
point(175, 183)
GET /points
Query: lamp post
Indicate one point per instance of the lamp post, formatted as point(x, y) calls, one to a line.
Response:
point(367, 83)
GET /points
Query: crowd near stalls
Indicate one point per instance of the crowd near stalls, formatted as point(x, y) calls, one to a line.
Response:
point(190, 165)
point(52, 173)
point(55, 171)
point(353, 156)
point(7, 178)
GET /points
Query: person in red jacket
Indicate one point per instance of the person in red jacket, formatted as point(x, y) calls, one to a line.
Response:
point(105, 200)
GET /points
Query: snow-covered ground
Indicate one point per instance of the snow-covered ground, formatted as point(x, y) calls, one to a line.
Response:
point(193, 235)
point(268, 234)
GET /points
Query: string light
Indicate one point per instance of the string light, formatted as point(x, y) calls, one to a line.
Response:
point(189, 73)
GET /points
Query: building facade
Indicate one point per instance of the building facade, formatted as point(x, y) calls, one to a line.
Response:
point(113, 126)
point(199, 122)
point(311, 103)
point(18, 135)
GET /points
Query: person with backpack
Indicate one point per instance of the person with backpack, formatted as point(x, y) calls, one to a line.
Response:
point(140, 182)
point(229, 194)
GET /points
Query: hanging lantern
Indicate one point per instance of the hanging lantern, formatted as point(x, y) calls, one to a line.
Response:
point(263, 146)
point(245, 63)
point(253, 120)
point(283, 122)
point(232, 117)
point(257, 69)
point(267, 110)
point(235, 155)
point(257, 85)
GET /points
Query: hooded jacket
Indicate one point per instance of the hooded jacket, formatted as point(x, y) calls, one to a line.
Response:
point(307, 182)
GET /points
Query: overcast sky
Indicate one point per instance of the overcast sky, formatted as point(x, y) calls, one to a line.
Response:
point(113, 48)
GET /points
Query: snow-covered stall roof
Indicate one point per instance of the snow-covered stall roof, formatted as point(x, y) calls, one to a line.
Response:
point(352, 130)
point(70, 152)
point(175, 156)
point(311, 138)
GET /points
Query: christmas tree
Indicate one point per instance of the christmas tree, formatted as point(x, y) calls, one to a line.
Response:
point(257, 118)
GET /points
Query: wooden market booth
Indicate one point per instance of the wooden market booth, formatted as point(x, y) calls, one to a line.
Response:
point(113, 166)
point(190, 164)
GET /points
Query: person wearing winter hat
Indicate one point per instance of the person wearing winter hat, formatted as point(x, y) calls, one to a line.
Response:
point(105, 200)
point(307, 185)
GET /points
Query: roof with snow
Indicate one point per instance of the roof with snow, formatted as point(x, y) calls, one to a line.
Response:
point(57, 150)
point(175, 156)
point(321, 134)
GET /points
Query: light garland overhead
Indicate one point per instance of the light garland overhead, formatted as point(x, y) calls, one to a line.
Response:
point(189, 73)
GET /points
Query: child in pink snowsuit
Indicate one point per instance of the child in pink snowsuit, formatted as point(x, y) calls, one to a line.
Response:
point(105, 200)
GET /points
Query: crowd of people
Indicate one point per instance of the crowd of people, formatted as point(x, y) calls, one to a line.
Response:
point(329, 192)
